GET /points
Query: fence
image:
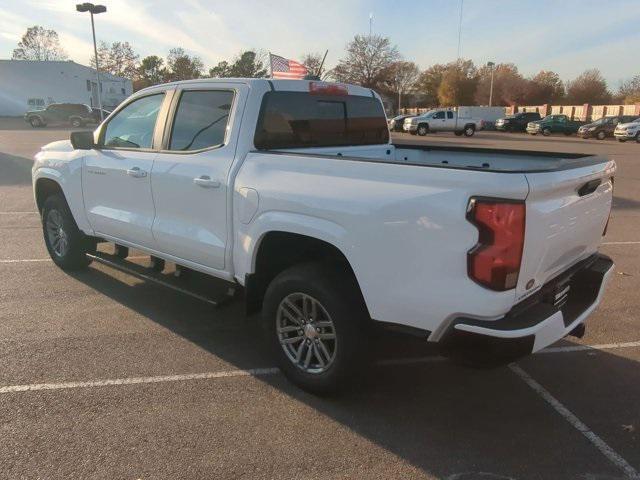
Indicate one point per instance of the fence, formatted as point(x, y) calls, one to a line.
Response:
point(584, 113)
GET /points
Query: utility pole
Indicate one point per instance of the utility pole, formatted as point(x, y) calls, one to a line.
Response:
point(491, 65)
point(460, 30)
point(91, 8)
point(370, 24)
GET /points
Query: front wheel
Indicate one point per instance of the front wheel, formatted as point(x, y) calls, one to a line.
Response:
point(35, 122)
point(638, 137)
point(76, 123)
point(66, 244)
point(601, 135)
point(423, 130)
point(546, 132)
point(316, 325)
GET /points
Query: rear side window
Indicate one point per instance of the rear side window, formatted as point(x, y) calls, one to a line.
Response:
point(449, 115)
point(201, 119)
point(303, 120)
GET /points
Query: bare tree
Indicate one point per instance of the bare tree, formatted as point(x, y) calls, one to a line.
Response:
point(182, 66)
point(119, 59)
point(368, 58)
point(401, 78)
point(39, 44)
point(589, 87)
point(630, 90)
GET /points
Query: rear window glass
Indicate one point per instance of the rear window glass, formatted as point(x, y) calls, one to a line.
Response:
point(300, 119)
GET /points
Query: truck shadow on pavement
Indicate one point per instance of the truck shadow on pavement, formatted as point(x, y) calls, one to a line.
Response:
point(14, 170)
point(428, 417)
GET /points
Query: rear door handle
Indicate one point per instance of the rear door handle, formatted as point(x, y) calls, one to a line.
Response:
point(205, 181)
point(136, 172)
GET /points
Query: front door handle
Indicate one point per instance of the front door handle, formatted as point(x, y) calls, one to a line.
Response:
point(205, 181)
point(136, 172)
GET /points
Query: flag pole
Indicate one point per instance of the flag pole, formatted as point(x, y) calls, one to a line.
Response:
point(322, 63)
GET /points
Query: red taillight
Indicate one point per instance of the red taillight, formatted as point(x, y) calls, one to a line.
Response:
point(495, 260)
point(327, 89)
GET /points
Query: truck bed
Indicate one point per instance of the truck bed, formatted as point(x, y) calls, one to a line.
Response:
point(465, 158)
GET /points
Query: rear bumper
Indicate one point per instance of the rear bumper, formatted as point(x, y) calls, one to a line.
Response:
point(536, 322)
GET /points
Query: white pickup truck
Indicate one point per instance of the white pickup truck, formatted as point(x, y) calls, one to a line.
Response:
point(292, 191)
point(459, 120)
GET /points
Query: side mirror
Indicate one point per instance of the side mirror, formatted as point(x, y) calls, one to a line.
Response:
point(82, 140)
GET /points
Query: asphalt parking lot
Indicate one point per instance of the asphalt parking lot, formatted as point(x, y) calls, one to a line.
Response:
point(107, 376)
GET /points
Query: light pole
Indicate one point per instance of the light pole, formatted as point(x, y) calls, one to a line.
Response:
point(94, 9)
point(491, 65)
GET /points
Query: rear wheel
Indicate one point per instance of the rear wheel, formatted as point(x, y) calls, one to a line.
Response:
point(423, 130)
point(469, 130)
point(76, 123)
point(316, 326)
point(66, 244)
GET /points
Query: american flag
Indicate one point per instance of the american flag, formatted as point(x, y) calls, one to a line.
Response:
point(284, 68)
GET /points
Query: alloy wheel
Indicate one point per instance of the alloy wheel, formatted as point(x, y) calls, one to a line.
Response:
point(306, 333)
point(57, 236)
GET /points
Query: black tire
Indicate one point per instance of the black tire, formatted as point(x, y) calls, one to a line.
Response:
point(120, 251)
point(55, 211)
point(422, 130)
point(413, 133)
point(638, 137)
point(76, 123)
point(469, 130)
point(601, 135)
point(567, 134)
point(458, 133)
point(36, 122)
point(339, 296)
point(622, 140)
point(546, 131)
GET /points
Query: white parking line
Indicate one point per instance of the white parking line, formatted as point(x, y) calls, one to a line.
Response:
point(26, 260)
point(19, 213)
point(600, 444)
point(255, 372)
point(258, 371)
point(620, 243)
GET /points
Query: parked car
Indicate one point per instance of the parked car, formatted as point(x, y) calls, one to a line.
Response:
point(70, 114)
point(554, 124)
point(517, 122)
point(628, 131)
point(603, 127)
point(232, 181)
point(396, 123)
point(441, 120)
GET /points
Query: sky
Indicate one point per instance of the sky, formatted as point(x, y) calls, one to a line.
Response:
point(566, 36)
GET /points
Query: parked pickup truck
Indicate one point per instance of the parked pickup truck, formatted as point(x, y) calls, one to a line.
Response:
point(442, 120)
point(554, 124)
point(291, 190)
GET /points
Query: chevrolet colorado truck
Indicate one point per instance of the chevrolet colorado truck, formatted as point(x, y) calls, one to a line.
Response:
point(292, 191)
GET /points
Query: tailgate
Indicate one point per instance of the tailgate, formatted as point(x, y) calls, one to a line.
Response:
point(567, 211)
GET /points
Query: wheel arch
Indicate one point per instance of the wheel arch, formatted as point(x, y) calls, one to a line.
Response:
point(278, 250)
point(43, 188)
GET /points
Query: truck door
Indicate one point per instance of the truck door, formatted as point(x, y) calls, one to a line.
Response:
point(191, 173)
point(116, 181)
point(438, 121)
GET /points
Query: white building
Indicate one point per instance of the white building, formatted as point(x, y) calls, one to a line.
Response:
point(26, 85)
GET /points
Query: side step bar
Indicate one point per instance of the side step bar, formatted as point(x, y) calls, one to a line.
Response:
point(147, 274)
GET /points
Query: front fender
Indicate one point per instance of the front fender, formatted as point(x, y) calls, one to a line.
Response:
point(68, 175)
